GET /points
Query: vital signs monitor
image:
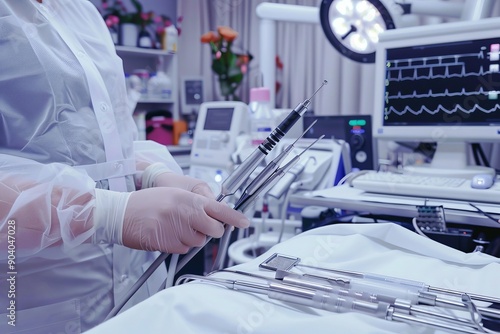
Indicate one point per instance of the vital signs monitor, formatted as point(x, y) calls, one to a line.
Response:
point(440, 83)
point(218, 128)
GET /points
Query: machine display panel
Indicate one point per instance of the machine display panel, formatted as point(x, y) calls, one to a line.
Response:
point(218, 119)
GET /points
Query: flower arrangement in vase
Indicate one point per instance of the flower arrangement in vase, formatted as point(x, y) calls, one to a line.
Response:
point(228, 65)
point(132, 25)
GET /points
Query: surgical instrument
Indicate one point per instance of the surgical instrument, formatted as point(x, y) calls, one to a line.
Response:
point(383, 292)
point(233, 182)
point(254, 189)
point(368, 295)
point(269, 175)
point(285, 262)
point(229, 186)
point(270, 168)
point(333, 302)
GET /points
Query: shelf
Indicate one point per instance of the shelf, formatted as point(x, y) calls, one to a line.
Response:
point(129, 50)
point(152, 60)
point(154, 100)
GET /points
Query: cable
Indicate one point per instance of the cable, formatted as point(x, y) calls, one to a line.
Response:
point(283, 212)
point(475, 154)
point(417, 228)
point(483, 156)
point(171, 269)
point(485, 213)
point(355, 175)
point(258, 229)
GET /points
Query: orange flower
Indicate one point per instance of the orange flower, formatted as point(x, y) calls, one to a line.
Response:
point(227, 33)
point(209, 37)
point(229, 66)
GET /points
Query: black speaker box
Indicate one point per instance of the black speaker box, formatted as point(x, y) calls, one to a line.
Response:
point(356, 130)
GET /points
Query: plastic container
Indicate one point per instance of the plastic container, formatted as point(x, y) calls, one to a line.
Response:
point(159, 127)
point(143, 75)
point(170, 39)
point(261, 117)
point(160, 86)
point(133, 82)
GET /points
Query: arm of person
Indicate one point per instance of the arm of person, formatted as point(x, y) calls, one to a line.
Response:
point(48, 205)
point(54, 205)
point(157, 168)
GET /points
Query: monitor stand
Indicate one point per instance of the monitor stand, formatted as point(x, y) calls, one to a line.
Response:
point(450, 160)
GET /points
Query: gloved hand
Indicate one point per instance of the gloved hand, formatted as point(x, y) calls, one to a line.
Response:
point(157, 175)
point(185, 182)
point(173, 220)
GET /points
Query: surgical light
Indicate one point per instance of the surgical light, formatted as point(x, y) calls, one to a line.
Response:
point(353, 26)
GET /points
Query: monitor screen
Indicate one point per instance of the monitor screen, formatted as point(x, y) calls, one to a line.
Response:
point(439, 83)
point(218, 119)
point(194, 92)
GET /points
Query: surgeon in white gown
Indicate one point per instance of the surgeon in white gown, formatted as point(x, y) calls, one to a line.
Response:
point(84, 208)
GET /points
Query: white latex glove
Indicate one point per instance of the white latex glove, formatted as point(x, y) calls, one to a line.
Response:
point(162, 219)
point(158, 175)
point(185, 182)
point(173, 220)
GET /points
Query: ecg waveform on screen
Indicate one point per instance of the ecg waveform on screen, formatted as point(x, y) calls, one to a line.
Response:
point(441, 109)
point(448, 84)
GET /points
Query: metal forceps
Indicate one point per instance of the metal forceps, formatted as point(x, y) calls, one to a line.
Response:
point(229, 187)
point(266, 179)
point(268, 171)
point(234, 181)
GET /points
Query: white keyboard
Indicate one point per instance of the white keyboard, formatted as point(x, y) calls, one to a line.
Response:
point(424, 186)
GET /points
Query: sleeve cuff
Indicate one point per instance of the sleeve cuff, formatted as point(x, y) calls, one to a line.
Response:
point(108, 216)
point(151, 172)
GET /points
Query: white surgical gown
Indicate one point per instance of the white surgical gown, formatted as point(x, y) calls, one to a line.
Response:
point(65, 128)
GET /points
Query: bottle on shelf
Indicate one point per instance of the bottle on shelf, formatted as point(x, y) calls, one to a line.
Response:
point(144, 40)
point(170, 39)
point(261, 117)
point(160, 86)
point(143, 75)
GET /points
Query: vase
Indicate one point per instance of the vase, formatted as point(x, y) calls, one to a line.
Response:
point(144, 39)
point(129, 33)
point(114, 35)
point(227, 91)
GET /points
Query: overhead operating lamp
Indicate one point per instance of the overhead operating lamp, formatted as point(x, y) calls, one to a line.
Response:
point(353, 26)
point(387, 13)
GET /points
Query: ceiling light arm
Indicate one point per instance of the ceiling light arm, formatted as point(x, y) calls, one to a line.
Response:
point(269, 13)
point(468, 10)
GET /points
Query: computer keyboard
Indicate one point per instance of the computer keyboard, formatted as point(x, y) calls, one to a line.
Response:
point(451, 188)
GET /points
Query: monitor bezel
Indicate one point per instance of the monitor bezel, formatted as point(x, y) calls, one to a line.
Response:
point(425, 35)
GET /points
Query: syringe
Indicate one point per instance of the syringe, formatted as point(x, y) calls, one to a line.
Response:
point(234, 181)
